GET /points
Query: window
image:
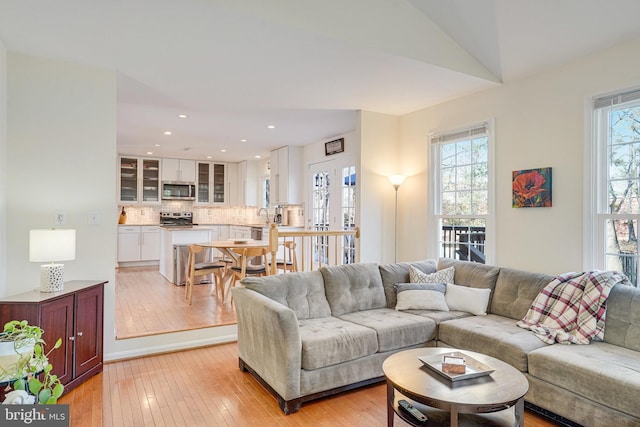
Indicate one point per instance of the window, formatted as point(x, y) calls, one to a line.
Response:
point(461, 187)
point(615, 204)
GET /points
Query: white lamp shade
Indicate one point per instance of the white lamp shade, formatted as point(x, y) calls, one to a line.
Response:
point(397, 180)
point(52, 245)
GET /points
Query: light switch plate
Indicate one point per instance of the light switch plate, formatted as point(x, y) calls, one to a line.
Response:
point(59, 218)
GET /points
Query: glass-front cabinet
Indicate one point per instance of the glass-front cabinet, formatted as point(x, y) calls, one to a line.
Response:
point(211, 183)
point(139, 180)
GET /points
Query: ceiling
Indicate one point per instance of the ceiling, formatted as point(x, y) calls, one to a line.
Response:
point(306, 67)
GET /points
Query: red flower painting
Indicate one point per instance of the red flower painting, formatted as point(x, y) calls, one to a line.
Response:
point(532, 188)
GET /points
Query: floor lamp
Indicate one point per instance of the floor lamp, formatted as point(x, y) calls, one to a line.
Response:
point(396, 181)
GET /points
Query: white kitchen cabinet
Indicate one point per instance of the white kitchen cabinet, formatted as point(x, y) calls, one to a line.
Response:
point(149, 243)
point(239, 232)
point(128, 243)
point(139, 180)
point(286, 176)
point(179, 170)
point(248, 182)
point(212, 183)
point(233, 184)
point(138, 243)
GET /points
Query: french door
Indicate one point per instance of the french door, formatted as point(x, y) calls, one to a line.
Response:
point(332, 206)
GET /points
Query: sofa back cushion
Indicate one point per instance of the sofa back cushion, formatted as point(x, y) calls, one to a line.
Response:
point(471, 274)
point(515, 291)
point(301, 292)
point(353, 287)
point(393, 274)
point(622, 323)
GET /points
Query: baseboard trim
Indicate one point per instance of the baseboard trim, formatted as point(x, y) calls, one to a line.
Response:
point(168, 348)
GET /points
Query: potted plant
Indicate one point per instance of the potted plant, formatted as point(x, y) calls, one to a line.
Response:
point(24, 362)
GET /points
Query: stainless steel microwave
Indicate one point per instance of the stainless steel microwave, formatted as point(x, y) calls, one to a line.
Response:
point(172, 190)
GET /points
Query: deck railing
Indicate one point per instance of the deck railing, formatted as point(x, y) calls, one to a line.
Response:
point(315, 249)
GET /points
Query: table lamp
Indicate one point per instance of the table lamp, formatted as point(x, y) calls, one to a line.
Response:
point(52, 245)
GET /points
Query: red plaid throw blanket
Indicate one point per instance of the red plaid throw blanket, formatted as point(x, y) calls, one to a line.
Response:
point(571, 309)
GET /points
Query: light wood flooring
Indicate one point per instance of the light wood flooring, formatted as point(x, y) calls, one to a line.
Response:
point(148, 304)
point(204, 387)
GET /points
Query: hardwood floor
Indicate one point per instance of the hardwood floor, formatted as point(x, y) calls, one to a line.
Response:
point(148, 304)
point(204, 387)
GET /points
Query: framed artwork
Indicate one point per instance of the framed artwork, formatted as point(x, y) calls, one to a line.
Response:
point(531, 188)
point(333, 147)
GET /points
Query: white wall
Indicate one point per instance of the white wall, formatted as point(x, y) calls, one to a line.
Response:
point(379, 139)
point(3, 169)
point(61, 155)
point(539, 122)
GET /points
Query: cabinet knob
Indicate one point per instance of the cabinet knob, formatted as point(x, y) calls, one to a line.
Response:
point(79, 334)
point(72, 338)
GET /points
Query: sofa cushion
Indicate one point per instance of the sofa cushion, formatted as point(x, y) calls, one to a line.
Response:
point(395, 329)
point(399, 273)
point(515, 291)
point(466, 298)
point(493, 335)
point(599, 371)
point(353, 287)
point(622, 324)
point(421, 296)
point(328, 341)
point(472, 274)
point(440, 276)
point(301, 292)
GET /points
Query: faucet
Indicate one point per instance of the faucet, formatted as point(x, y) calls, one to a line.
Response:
point(265, 211)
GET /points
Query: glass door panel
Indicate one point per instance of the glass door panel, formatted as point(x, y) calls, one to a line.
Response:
point(150, 180)
point(128, 179)
point(203, 183)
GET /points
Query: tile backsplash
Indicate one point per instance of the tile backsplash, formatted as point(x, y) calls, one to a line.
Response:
point(142, 215)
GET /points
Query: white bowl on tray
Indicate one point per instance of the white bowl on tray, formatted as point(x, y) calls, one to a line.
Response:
point(240, 240)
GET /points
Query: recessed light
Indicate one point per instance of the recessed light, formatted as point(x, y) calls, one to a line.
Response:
point(208, 157)
point(156, 145)
point(149, 152)
point(167, 132)
point(243, 140)
point(271, 126)
point(223, 151)
point(182, 116)
point(258, 157)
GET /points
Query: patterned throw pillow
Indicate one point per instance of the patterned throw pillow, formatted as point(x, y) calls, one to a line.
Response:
point(441, 276)
point(421, 296)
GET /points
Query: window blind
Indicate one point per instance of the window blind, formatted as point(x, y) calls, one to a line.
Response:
point(479, 129)
point(618, 98)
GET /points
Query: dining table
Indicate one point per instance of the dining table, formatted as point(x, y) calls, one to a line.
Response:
point(227, 248)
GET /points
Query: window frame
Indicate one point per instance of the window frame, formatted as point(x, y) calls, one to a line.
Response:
point(596, 175)
point(434, 201)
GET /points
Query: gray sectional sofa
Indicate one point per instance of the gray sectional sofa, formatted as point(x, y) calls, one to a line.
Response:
point(309, 335)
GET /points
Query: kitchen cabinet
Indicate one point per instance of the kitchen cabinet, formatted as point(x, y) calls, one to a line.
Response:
point(139, 180)
point(74, 314)
point(211, 183)
point(178, 170)
point(286, 178)
point(170, 238)
point(248, 183)
point(239, 232)
point(138, 243)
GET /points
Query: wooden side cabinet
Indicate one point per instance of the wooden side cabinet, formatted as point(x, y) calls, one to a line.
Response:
point(75, 315)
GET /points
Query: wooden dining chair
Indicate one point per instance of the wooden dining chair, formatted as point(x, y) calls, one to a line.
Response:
point(290, 260)
point(196, 269)
point(244, 268)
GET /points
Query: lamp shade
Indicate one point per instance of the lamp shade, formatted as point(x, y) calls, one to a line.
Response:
point(52, 245)
point(396, 180)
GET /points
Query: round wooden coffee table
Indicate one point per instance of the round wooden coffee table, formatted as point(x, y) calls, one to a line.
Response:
point(484, 400)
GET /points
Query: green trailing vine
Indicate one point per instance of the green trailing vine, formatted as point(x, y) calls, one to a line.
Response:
point(34, 374)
